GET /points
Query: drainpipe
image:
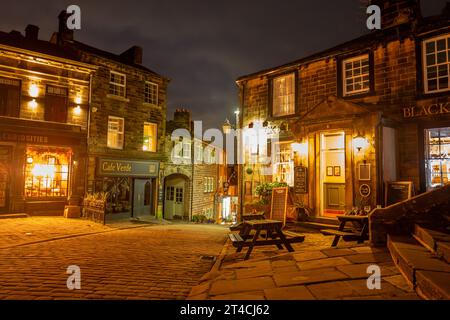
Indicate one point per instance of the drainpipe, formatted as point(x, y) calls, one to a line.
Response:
point(88, 133)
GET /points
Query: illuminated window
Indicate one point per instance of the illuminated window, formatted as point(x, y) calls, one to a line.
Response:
point(284, 164)
point(436, 53)
point(151, 93)
point(46, 173)
point(283, 93)
point(117, 84)
point(150, 137)
point(437, 157)
point(115, 132)
point(356, 75)
point(208, 184)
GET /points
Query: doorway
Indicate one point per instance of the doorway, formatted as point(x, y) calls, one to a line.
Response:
point(332, 174)
point(175, 196)
point(143, 198)
point(5, 158)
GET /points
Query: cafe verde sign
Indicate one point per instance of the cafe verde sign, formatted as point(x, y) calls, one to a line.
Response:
point(124, 168)
point(429, 110)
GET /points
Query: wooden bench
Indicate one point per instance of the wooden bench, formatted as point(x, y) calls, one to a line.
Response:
point(359, 235)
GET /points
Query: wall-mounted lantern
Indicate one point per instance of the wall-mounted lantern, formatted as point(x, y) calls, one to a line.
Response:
point(360, 143)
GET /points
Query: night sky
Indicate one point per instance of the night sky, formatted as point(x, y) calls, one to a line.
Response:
point(203, 46)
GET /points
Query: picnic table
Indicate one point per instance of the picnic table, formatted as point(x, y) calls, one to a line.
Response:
point(246, 217)
point(274, 235)
point(359, 234)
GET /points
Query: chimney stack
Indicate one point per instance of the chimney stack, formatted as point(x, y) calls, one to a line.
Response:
point(133, 55)
point(396, 12)
point(32, 32)
point(64, 33)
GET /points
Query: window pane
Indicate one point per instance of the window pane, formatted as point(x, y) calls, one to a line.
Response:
point(441, 45)
point(430, 47)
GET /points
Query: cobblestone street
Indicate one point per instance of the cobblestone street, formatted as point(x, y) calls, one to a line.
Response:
point(120, 262)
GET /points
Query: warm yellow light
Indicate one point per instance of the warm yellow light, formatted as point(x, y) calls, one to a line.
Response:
point(145, 148)
point(32, 104)
point(33, 90)
point(360, 143)
point(78, 100)
point(29, 159)
point(77, 110)
point(300, 148)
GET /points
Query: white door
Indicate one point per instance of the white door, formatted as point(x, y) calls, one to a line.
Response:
point(175, 195)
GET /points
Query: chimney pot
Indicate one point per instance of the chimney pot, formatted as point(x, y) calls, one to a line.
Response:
point(133, 55)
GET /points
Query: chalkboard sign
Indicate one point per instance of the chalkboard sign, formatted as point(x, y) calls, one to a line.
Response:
point(300, 180)
point(279, 204)
point(397, 191)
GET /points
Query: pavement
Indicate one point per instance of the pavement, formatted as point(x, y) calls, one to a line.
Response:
point(315, 271)
point(120, 261)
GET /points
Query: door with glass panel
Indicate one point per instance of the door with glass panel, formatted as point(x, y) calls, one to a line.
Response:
point(174, 198)
point(332, 173)
point(437, 157)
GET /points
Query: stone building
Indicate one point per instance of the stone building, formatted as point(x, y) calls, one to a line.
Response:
point(354, 117)
point(193, 174)
point(44, 106)
point(127, 127)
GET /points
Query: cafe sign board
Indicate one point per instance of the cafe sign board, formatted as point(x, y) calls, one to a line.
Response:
point(300, 180)
point(126, 168)
point(397, 191)
point(428, 110)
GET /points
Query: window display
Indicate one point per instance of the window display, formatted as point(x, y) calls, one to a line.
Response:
point(437, 159)
point(47, 172)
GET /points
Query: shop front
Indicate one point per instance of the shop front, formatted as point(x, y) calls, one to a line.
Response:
point(41, 169)
point(131, 187)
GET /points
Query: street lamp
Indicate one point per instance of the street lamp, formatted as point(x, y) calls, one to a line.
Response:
point(226, 126)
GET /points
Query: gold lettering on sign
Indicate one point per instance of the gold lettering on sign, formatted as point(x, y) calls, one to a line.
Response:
point(116, 167)
point(433, 109)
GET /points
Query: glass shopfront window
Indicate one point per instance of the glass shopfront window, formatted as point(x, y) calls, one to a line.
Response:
point(119, 193)
point(437, 157)
point(47, 173)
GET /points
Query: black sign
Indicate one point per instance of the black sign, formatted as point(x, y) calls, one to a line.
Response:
point(300, 180)
point(364, 190)
point(124, 168)
point(397, 192)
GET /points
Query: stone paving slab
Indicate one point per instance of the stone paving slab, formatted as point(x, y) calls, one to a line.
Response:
point(306, 274)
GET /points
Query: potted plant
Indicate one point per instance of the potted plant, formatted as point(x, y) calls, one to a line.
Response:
point(303, 211)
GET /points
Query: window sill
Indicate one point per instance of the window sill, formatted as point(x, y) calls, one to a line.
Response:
point(118, 98)
point(151, 105)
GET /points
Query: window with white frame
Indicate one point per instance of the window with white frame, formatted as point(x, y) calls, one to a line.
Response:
point(186, 149)
point(208, 184)
point(115, 132)
point(150, 137)
point(198, 152)
point(209, 155)
point(151, 93)
point(283, 95)
point(117, 84)
point(436, 53)
point(284, 163)
point(356, 75)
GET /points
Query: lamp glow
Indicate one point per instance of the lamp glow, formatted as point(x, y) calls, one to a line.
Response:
point(32, 104)
point(33, 90)
point(359, 142)
point(78, 100)
point(77, 110)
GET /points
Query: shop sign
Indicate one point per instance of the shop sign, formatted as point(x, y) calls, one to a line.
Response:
point(398, 191)
point(14, 137)
point(430, 110)
point(124, 168)
point(300, 180)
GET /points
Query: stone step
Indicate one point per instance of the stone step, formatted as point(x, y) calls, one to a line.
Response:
point(435, 241)
point(13, 215)
point(420, 267)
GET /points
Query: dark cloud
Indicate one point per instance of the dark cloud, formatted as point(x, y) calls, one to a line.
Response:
point(203, 46)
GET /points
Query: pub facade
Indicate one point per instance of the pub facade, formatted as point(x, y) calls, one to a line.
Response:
point(354, 118)
point(44, 96)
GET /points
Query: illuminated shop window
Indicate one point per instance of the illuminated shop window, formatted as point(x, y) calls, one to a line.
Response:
point(284, 164)
point(356, 75)
point(46, 173)
point(437, 157)
point(117, 84)
point(437, 64)
point(151, 93)
point(150, 137)
point(208, 184)
point(283, 92)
